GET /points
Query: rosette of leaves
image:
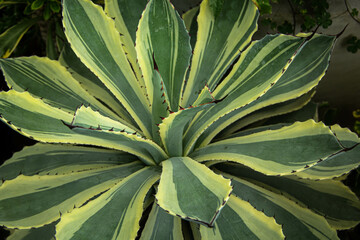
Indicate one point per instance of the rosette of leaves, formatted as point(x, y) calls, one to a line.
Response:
point(148, 130)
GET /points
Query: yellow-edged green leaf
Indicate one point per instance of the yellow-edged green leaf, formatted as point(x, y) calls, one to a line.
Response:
point(239, 220)
point(113, 215)
point(160, 101)
point(297, 222)
point(275, 152)
point(266, 112)
point(12, 36)
point(60, 159)
point(147, 150)
point(46, 232)
point(220, 37)
point(90, 82)
point(161, 226)
point(205, 96)
point(339, 164)
point(126, 15)
point(172, 129)
point(303, 74)
point(96, 42)
point(328, 198)
point(47, 79)
point(47, 124)
point(38, 200)
point(164, 44)
point(190, 16)
point(263, 63)
point(88, 118)
point(190, 190)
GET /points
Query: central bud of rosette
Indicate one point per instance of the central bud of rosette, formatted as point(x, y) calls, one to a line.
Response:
point(190, 190)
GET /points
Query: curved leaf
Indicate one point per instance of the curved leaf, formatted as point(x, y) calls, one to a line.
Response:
point(275, 152)
point(12, 36)
point(113, 215)
point(328, 198)
point(164, 44)
point(56, 159)
point(38, 200)
point(295, 220)
point(303, 74)
point(265, 61)
point(161, 226)
point(96, 42)
point(239, 220)
point(190, 190)
point(220, 37)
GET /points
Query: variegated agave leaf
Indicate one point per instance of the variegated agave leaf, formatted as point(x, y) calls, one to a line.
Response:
point(140, 130)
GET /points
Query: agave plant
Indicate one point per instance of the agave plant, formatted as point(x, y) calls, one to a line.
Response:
point(149, 133)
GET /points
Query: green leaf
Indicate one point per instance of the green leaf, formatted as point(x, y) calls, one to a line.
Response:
point(91, 33)
point(328, 198)
point(303, 74)
point(38, 200)
point(12, 36)
point(56, 159)
point(113, 215)
point(258, 69)
point(37, 4)
point(148, 151)
point(270, 111)
point(161, 226)
point(219, 40)
point(126, 15)
point(190, 190)
point(46, 232)
point(295, 220)
point(172, 129)
point(48, 80)
point(239, 220)
point(91, 83)
point(164, 44)
point(87, 118)
point(275, 152)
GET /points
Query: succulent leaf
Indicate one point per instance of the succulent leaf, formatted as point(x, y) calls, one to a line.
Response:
point(120, 207)
point(190, 190)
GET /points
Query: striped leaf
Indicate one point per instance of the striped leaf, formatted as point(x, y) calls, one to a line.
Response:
point(190, 18)
point(190, 190)
point(296, 221)
point(221, 35)
point(96, 42)
point(328, 198)
point(172, 129)
point(240, 220)
point(338, 164)
point(161, 226)
point(88, 118)
point(48, 80)
point(60, 159)
point(44, 233)
point(275, 152)
point(163, 43)
point(47, 124)
point(12, 36)
point(303, 74)
point(126, 15)
point(42, 121)
point(148, 151)
point(268, 112)
point(263, 63)
point(113, 215)
point(38, 200)
point(90, 82)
